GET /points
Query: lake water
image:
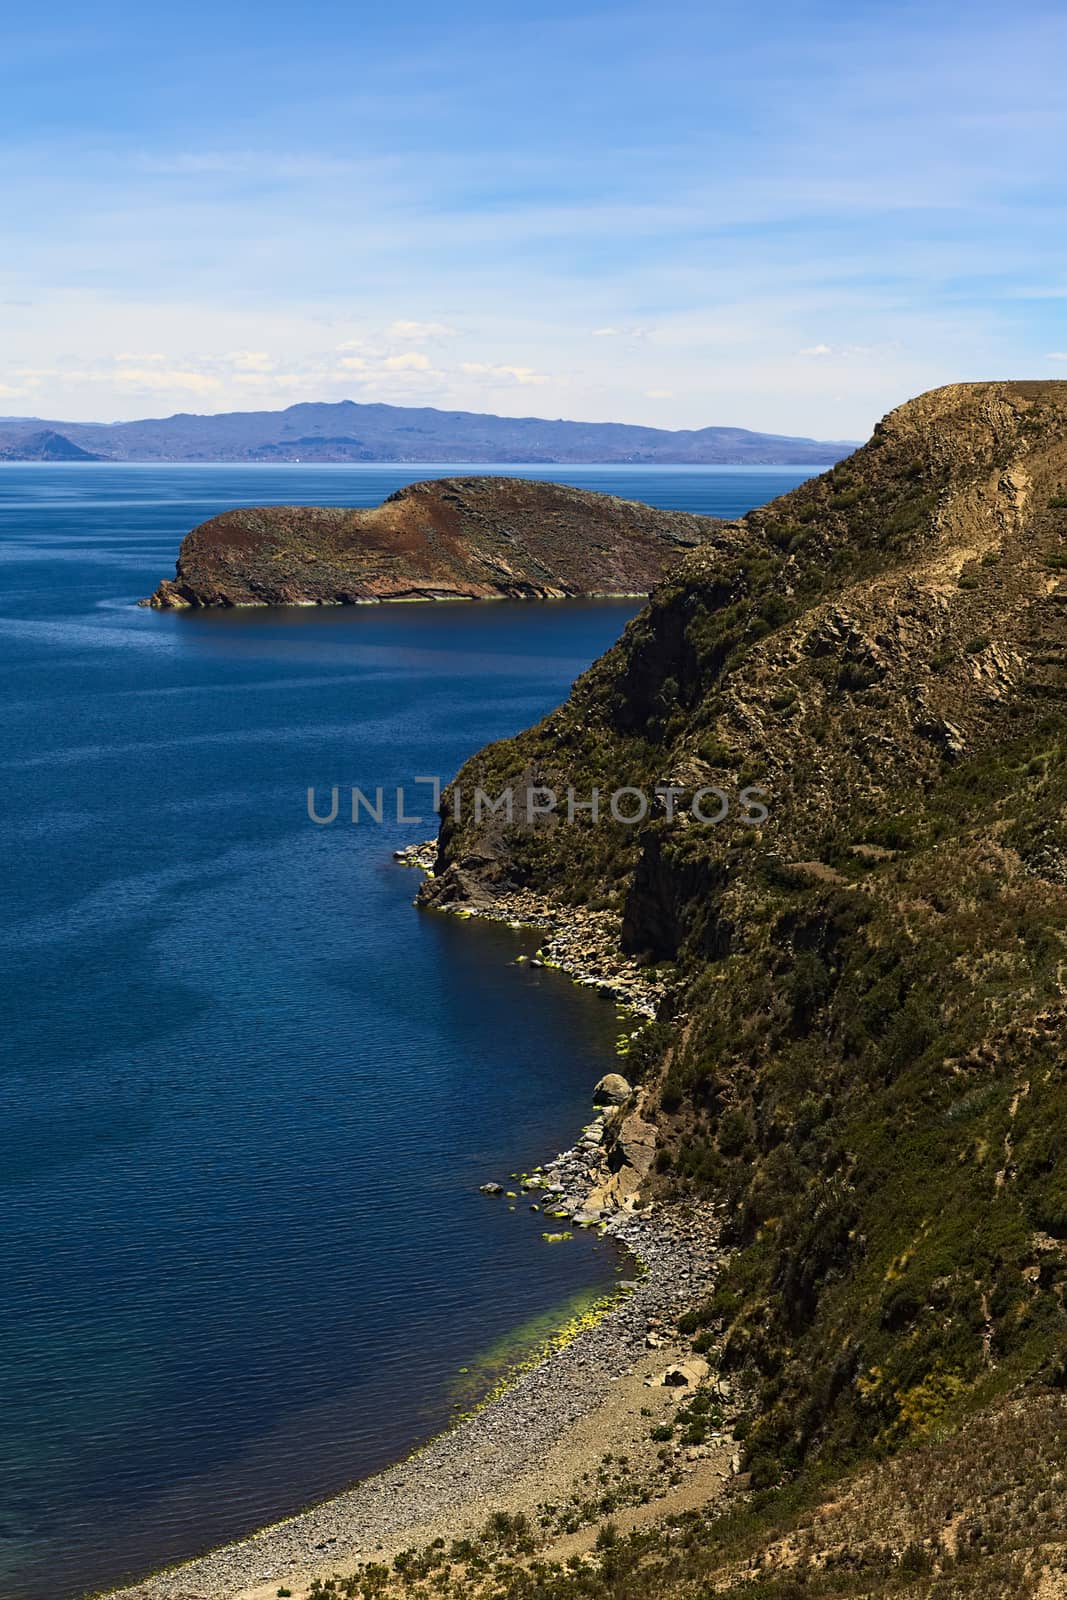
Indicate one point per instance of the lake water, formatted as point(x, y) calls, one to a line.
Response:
point(247, 1092)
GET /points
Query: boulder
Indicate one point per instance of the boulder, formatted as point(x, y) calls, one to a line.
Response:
point(612, 1090)
point(491, 1188)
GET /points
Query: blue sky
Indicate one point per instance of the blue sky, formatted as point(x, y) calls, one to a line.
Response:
point(788, 217)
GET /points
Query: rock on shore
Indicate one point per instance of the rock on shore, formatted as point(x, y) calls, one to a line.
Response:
point(582, 943)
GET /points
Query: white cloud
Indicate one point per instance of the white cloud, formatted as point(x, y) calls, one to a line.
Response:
point(250, 360)
point(523, 375)
point(352, 363)
point(130, 380)
point(659, 394)
point(285, 383)
point(419, 330)
point(1056, 355)
point(414, 361)
point(139, 357)
point(816, 350)
point(8, 392)
point(166, 380)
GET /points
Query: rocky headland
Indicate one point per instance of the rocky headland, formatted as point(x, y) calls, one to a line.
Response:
point(445, 539)
point(835, 1141)
point(862, 1052)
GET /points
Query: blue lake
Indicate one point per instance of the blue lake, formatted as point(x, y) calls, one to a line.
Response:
point(247, 1092)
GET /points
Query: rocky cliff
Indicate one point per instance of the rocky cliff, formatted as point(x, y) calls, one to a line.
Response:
point(865, 1054)
point(445, 539)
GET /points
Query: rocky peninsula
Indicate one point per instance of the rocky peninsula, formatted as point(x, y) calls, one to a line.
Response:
point(484, 538)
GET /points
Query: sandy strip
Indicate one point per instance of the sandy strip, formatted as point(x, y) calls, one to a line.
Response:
point(532, 1443)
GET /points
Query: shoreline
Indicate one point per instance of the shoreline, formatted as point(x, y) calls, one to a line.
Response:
point(149, 602)
point(450, 1486)
point(543, 1431)
point(580, 943)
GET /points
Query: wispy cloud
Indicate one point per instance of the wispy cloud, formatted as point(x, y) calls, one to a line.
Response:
point(620, 333)
point(419, 330)
point(522, 375)
point(411, 361)
point(161, 380)
point(250, 360)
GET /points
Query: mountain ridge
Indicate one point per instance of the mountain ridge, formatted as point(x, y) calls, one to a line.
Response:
point(45, 444)
point(347, 431)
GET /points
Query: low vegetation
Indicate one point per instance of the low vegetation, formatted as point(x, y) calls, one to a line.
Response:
point(866, 1056)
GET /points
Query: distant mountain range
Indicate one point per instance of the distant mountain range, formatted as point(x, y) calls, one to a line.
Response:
point(346, 431)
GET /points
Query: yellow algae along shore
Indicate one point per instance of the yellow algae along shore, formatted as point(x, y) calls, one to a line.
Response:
point(567, 1393)
point(562, 1421)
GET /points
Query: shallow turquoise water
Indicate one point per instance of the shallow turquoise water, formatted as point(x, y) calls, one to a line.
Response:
point(247, 1093)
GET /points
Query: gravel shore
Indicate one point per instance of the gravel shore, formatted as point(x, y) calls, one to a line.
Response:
point(454, 1481)
point(578, 941)
point(553, 1421)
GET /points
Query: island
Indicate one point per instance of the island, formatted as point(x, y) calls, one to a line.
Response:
point(479, 538)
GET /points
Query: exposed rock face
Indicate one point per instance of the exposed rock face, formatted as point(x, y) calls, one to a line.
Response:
point(863, 1051)
point(447, 539)
point(633, 1146)
point(852, 636)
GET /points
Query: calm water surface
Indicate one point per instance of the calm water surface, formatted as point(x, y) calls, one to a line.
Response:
point(247, 1093)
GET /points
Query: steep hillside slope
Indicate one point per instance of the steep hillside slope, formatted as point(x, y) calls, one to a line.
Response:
point(446, 539)
point(867, 1055)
